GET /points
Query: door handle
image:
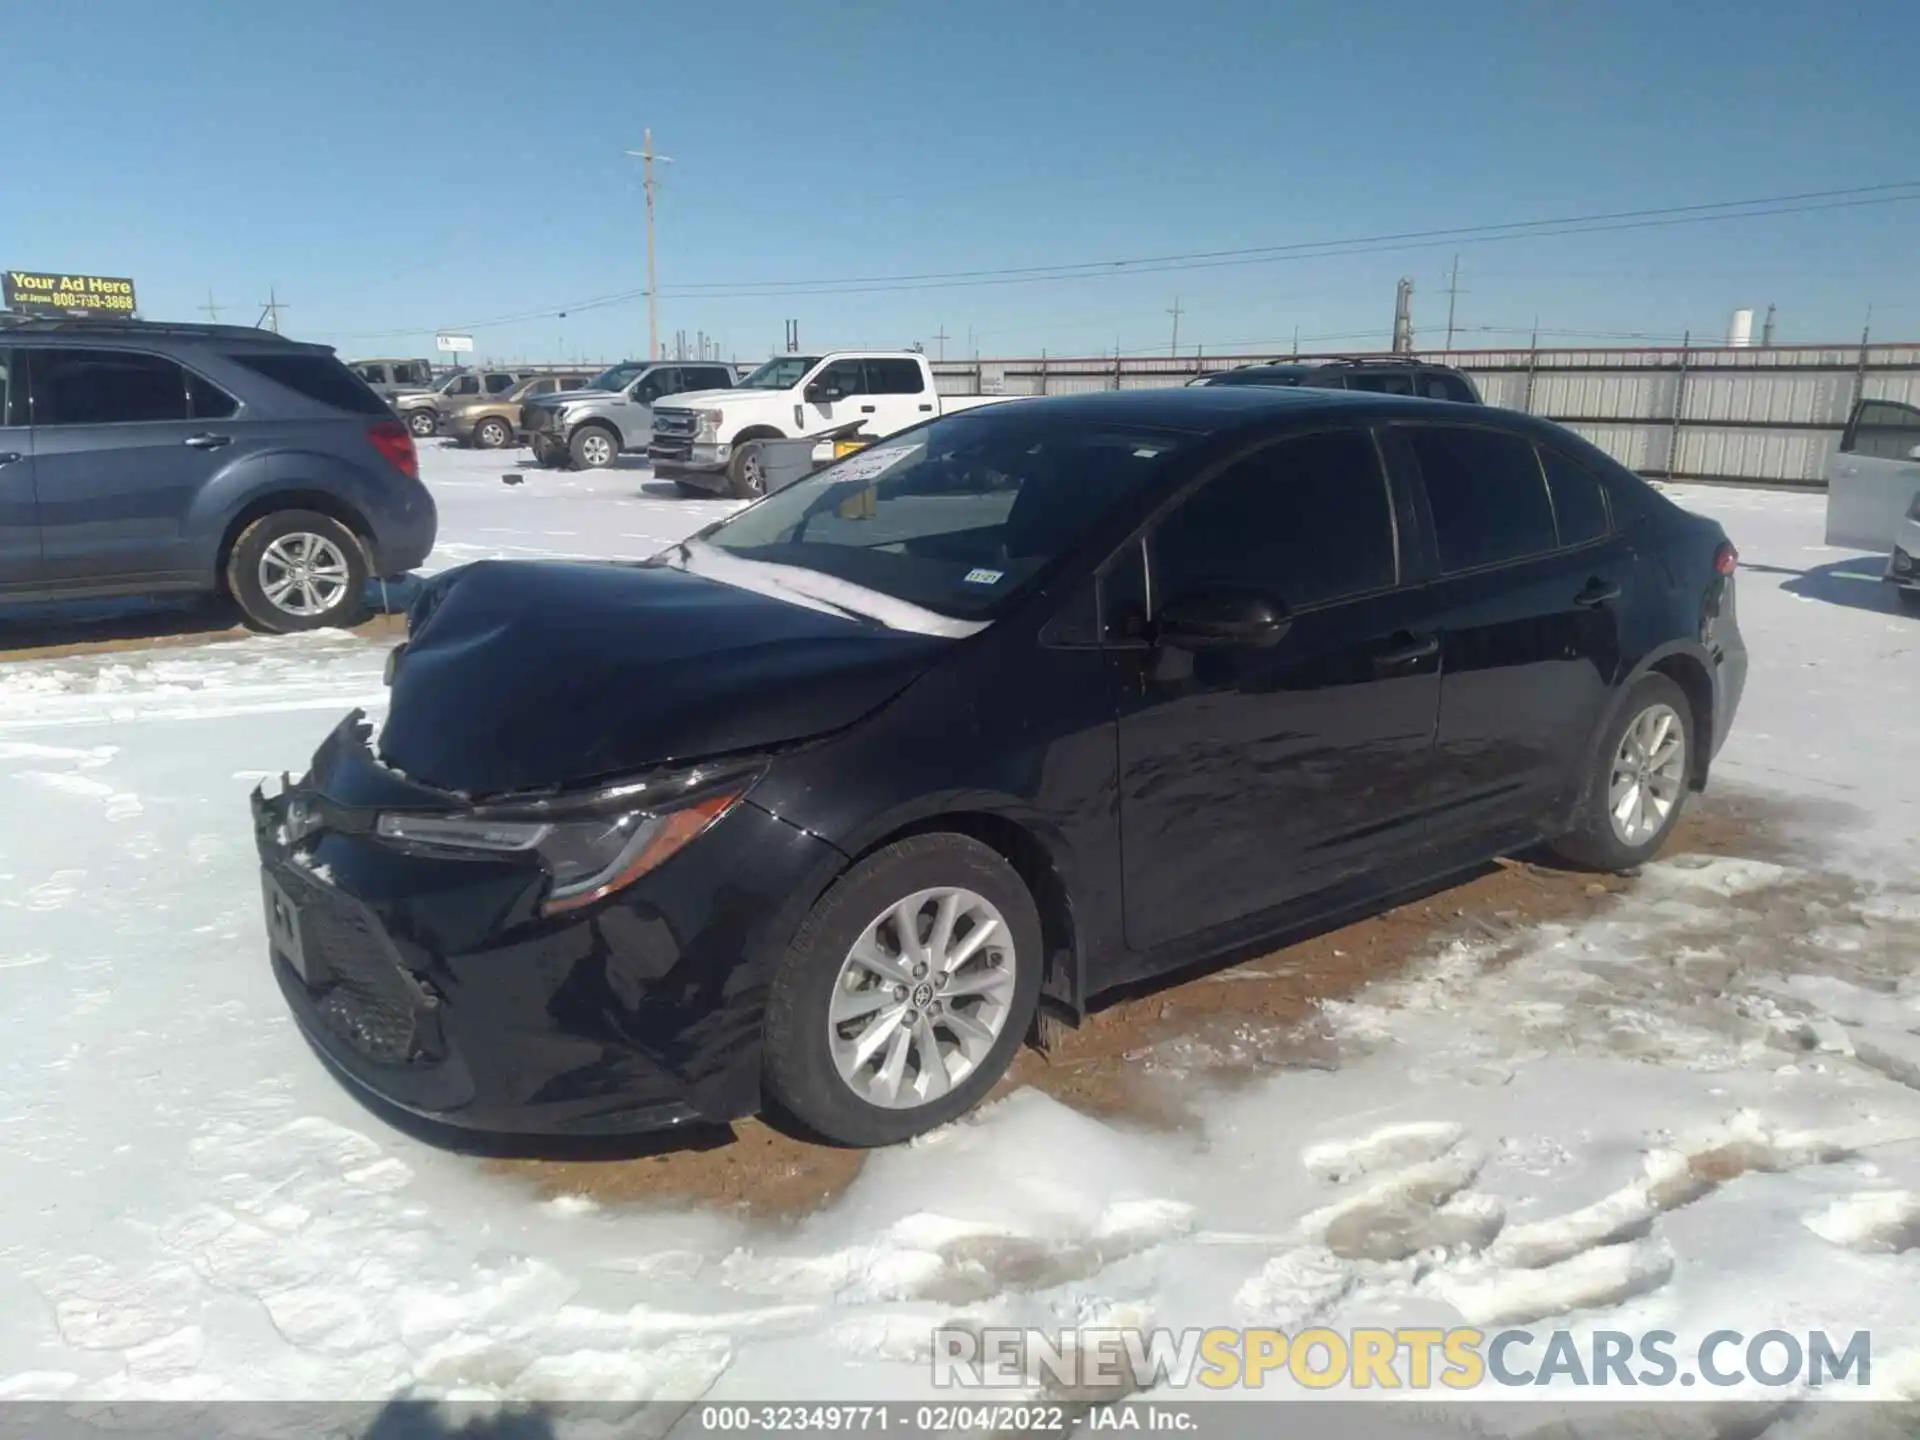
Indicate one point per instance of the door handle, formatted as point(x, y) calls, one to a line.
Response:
point(1597, 592)
point(926, 407)
point(10, 456)
point(1405, 657)
point(206, 442)
point(866, 409)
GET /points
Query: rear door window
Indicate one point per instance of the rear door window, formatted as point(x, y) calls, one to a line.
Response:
point(106, 387)
point(207, 401)
point(713, 377)
point(1882, 430)
point(1579, 501)
point(1436, 385)
point(317, 377)
point(1391, 383)
point(500, 384)
point(1486, 494)
point(894, 377)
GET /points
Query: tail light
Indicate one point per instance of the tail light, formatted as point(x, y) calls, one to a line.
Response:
point(1725, 559)
point(395, 442)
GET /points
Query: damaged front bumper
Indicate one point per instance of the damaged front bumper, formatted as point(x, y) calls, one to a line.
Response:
point(435, 983)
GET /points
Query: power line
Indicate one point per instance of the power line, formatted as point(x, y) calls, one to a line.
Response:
point(1199, 258)
point(1719, 211)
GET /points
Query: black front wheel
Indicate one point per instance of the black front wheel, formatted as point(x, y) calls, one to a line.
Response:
point(422, 423)
point(593, 447)
point(905, 993)
point(493, 434)
point(747, 472)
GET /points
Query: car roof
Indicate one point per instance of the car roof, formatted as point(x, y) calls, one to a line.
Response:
point(1220, 410)
point(148, 332)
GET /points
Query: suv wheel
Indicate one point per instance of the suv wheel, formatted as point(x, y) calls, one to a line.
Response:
point(422, 423)
point(1638, 782)
point(905, 992)
point(493, 434)
point(297, 570)
point(593, 447)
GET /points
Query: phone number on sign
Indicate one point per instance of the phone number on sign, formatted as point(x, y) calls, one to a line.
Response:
point(925, 1419)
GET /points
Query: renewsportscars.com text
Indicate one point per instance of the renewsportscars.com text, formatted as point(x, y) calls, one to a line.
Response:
point(1412, 1359)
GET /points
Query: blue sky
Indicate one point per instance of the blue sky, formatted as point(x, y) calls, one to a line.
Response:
point(395, 169)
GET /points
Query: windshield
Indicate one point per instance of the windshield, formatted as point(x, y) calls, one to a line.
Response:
point(956, 516)
point(782, 372)
point(618, 378)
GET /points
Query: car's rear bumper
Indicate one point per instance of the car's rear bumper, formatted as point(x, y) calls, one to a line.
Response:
point(436, 985)
point(404, 538)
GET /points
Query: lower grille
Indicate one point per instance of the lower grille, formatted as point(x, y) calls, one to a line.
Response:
point(365, 996)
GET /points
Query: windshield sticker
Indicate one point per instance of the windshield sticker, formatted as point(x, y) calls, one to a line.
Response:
point(865, 464)
point(984, 577)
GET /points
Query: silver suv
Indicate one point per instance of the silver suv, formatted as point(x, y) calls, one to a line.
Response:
point(589, 428)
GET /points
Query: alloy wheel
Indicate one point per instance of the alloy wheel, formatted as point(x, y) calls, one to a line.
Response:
point(304, 574)
point(922, 997)
point(1648, 773)
point(596, 449)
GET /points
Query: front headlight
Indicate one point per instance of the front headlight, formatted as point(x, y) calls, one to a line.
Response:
point(590, 847)
point(708, 421)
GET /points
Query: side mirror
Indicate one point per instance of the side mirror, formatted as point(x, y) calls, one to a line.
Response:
point(1213, 619)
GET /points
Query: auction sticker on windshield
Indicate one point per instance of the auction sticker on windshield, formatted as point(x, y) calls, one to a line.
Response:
point(866, 464)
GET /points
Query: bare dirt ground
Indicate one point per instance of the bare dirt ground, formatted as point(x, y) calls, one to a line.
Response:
point(59, 632)
point(1235, 1023)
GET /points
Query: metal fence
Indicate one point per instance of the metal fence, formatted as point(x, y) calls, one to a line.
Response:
point(1746, 416)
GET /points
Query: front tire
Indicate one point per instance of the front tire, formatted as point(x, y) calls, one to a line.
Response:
point(297, 570)
point(747, 472)
point(422, 423)
point(593, 447)
point(493, 434)
point(1637, 781)
point(905, 993)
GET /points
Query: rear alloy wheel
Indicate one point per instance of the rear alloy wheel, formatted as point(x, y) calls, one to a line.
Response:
point(1639, 782)
point(906, 992)
point(297, 570)
point(493, 434)
point(593, 447)
point(422, 423)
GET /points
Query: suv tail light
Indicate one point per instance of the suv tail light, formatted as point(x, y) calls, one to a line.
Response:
point(393, 440)
point(1725, 558)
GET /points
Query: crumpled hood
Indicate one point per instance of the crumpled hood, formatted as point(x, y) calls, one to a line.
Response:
point(525, 675)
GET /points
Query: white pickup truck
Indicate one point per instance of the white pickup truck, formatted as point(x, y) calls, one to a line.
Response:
point(698, 438)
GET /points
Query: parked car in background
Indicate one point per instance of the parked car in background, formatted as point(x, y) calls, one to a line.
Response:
point(389, 378)
point(1873, 491)
point(493, 422)
point(589, 428)
point(423, 410)
point(1039, 699)
point(700, 441)
point(1380, 375)
point(145, 458)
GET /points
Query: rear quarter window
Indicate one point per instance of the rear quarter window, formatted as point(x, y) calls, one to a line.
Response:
point(320, 378)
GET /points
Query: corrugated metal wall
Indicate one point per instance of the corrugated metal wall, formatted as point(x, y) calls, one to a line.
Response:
point(1769, 415)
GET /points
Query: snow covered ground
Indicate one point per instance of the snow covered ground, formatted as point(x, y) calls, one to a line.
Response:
point(1698, 1111)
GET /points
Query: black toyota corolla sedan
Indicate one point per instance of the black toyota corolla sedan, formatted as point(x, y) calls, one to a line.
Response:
point(815, 809)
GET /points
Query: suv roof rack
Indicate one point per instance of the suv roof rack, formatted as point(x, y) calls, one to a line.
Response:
point(118, 326)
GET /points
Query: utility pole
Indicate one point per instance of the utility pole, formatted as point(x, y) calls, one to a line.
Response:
point(1176, 312)
point(1766, 329)
point(647, 157)
point(793, 336)
point(212, 311)
point(270, 312)
point(1453, 289)
point(940, 339)
point(1403, 319)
